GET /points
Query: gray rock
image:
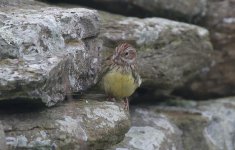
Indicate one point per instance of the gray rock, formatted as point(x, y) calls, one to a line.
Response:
point(219, 81)
point(208, 125)
point(47, 52)
point(220, 132)
point(2, 138)
point(86, 124)
point(192, 124)
point(188, 10)
point(150, 131)
point(19, 3)
point(169, 53)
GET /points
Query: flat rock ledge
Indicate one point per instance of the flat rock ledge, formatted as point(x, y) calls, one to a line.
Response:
point(205, 125)
point(83, 124)
point(150, 131)
point(47, 52)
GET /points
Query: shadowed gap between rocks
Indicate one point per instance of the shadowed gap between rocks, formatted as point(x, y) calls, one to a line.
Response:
point(21, 105)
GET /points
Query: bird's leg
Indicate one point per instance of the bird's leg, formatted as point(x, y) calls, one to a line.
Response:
point(126, 102)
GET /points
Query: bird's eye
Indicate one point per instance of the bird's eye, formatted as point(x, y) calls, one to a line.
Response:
point(126, 53)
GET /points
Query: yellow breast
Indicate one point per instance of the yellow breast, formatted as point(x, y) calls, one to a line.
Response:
point(118, 84)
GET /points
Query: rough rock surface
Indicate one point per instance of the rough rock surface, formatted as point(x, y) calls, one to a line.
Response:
point(220, 81)
point(74, 125)
point(169, 53)
point(47, 52)
point(220, 20)
point(188, 10)
point(151, 131)
point(15, 4)
point(2, 137)
point(185, 125)
point(220, 131)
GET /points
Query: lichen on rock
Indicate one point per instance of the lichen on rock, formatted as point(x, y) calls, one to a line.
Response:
point(74, 125)
point(48, 53)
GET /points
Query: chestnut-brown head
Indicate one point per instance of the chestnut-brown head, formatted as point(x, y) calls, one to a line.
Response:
point(124, 54)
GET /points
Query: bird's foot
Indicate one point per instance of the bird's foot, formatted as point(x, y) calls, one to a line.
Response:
point(126, 104)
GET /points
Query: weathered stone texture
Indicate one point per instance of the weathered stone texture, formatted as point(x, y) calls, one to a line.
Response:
point(169, 53)
point(184, 125)
point(74, 125)
point(47, 53)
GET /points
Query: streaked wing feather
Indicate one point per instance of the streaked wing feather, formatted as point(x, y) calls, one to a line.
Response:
point(105, 68)
point(137, 78)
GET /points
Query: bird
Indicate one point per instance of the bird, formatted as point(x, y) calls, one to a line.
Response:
point(120, 75)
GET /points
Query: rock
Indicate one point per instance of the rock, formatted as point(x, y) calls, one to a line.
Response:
point(206, 125)
point(219, 81)
point(220, 131)
point(169, 53)
point(5, 4)
point(86, 124)
point(188, 10)
point(47, 52)
point(220, 20)
point(180, 9)
point(2, 138)
point(192, 125)
point(150, 131)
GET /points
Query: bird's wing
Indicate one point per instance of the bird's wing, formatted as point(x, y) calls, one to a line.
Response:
point(136, 75)
point(137, 78)
point(104, 69)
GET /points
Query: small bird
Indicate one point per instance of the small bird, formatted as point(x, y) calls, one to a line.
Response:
point(121, 78)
